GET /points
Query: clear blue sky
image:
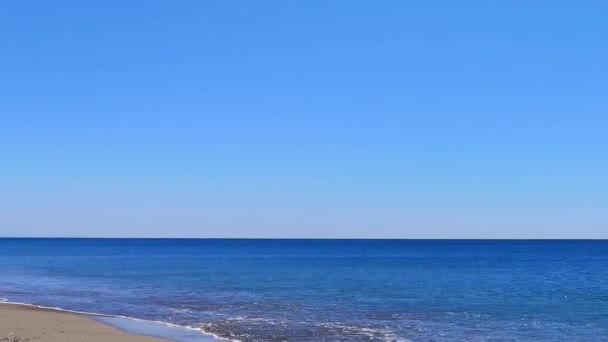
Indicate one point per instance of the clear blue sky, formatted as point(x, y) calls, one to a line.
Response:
point(400, 119)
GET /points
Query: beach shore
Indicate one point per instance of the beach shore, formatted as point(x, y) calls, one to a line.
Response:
point(21, 323)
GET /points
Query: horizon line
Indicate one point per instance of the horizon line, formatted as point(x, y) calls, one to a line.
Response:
point(296, 238)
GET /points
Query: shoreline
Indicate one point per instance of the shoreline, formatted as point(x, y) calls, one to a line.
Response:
point(21, 322)
point(24, 323)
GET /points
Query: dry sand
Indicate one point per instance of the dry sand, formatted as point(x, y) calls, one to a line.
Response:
point(20, 323)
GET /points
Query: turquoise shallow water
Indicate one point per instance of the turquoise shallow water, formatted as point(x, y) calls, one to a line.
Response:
point(324, 290)
point(158, 329)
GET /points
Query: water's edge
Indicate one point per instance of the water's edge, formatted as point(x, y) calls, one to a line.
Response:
point(137, 326)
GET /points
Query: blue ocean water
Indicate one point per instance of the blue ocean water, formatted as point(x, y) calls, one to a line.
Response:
point(325, 290)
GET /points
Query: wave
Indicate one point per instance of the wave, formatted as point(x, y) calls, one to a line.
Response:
point(305, 329)
point(373, 333)
point(5, 301)
point(216, 331)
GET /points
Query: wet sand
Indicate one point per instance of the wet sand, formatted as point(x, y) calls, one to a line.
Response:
point(20, 323)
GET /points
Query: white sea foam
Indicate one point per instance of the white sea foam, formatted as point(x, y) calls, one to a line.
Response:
point(373, 333)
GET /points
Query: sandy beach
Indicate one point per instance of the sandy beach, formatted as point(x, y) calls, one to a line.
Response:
point(20, 323)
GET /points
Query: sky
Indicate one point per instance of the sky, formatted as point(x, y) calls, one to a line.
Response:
point(304, 119)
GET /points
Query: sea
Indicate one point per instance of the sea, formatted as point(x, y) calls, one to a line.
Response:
point(320, 290)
